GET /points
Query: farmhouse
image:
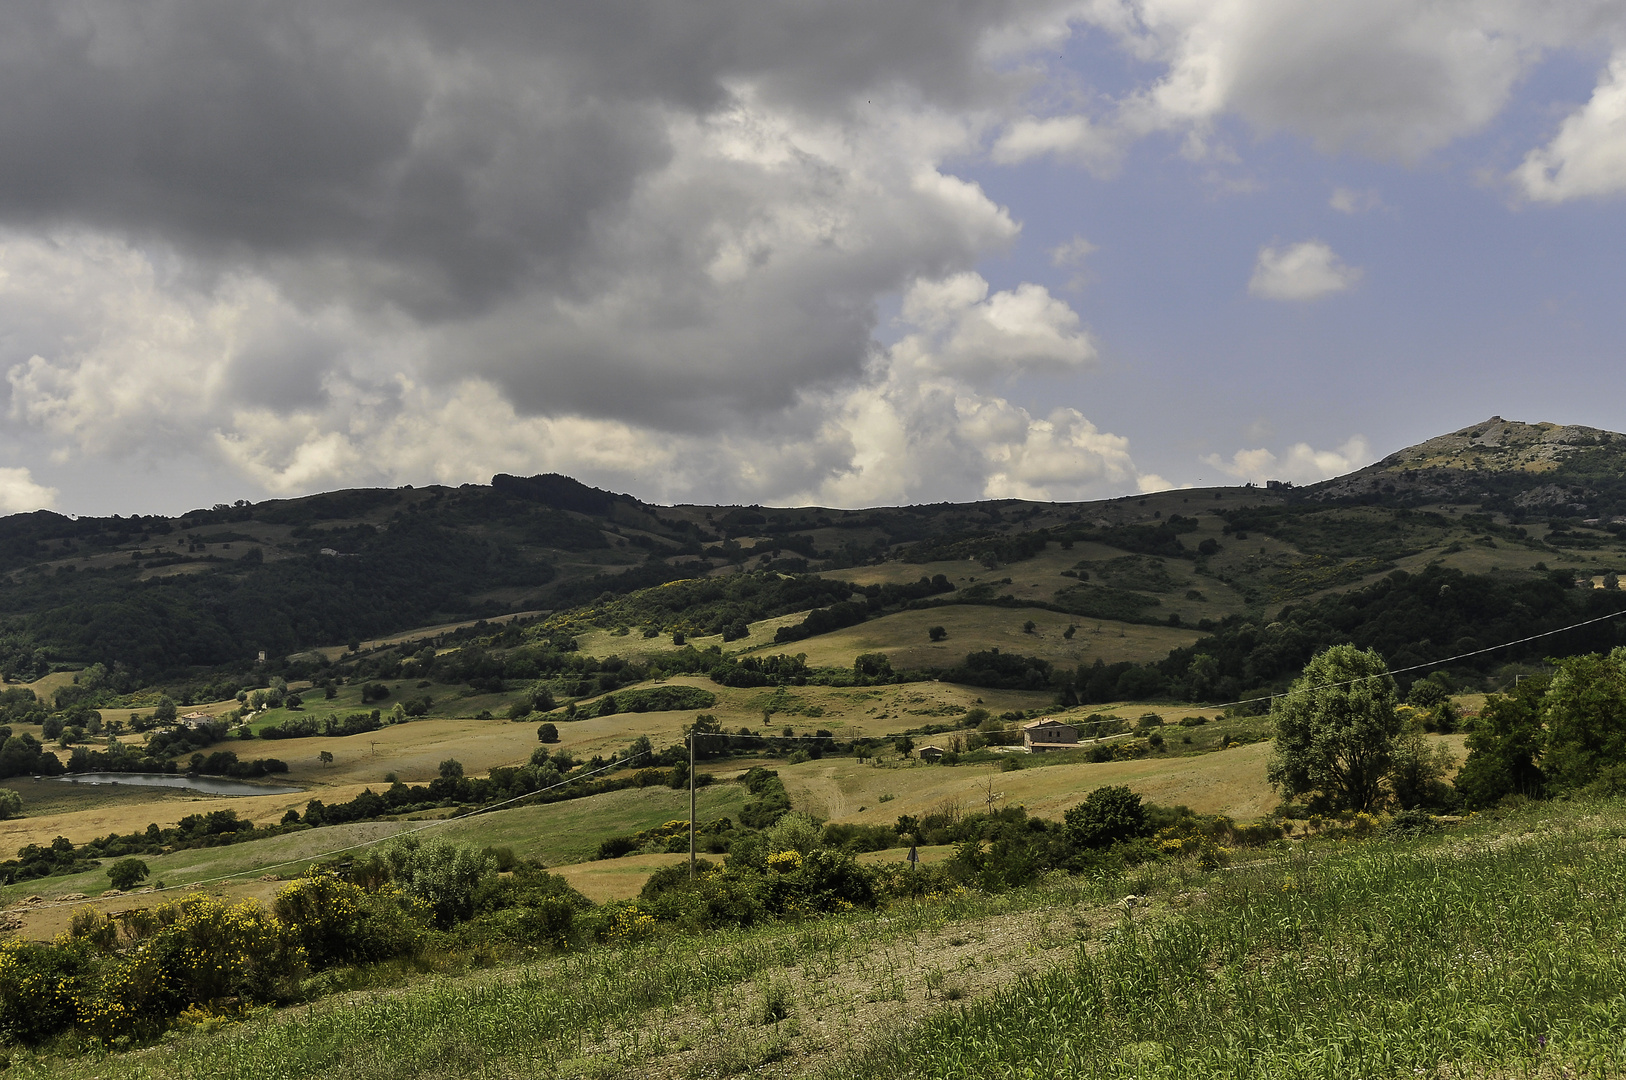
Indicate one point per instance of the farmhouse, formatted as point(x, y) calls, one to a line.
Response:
point(1048, 734)
point(930, 754)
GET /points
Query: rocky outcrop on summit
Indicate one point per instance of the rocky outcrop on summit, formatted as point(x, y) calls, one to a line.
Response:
point(1537, 468)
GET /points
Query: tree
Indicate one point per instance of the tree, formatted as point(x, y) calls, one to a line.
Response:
point(872, 665)
point(1336, 730)
point(1582, 710)
point(1416, 774)
point(1029, 626)
point(125, 873)
point(325, 757)
point(547, 733)
point(11, 804)
point(451, 769)
point(1503, 747)
point(165, 712)
point(1108, 815)
point(937, 633)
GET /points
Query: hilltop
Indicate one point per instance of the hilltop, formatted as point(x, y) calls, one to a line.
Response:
point(1500, 465)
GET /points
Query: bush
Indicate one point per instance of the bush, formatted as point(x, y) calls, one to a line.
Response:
point(616, 846)
point(547, 733)
point(442, 874)
point(11, 804)
point(37, 989)
point(1107, 816)
point(340, 923)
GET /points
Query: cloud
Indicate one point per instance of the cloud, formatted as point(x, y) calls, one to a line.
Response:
point(1302, 464)
point(1588, 155)
point(1387, 78)
point(19, 493)
point(965, 332)
point(1349, 201)
point(119, 357)
point(1099, 148)
point(1305, 271)
point(333, 243)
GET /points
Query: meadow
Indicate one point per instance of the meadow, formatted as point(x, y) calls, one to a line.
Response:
point(1492, 949)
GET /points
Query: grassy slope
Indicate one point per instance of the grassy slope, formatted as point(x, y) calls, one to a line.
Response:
point(1492, 951)
point(557, 833)
point(1496, 952)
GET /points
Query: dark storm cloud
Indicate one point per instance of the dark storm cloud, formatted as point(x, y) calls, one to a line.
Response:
point(446, 151)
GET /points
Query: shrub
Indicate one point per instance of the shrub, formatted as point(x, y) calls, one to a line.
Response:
point(547, 733)
point(38, 989)
point(1108, 815)
point(616, 846)
point(442, 874)
point(340, 923)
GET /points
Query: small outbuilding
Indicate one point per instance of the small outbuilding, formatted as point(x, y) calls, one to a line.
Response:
point(1048, 734)
point(930, 754)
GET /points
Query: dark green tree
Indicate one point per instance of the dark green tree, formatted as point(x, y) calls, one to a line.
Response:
point(125, 873)
point(1336, 730)
point(1582, 710)
point(1503, 747)
point(547, 733)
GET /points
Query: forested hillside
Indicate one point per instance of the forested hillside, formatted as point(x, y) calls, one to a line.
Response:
point(1403, 556)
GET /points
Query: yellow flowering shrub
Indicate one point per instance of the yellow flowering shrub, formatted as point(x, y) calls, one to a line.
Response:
point(785, 862)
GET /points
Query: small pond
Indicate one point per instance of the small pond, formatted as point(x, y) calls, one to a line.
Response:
point(208, 785)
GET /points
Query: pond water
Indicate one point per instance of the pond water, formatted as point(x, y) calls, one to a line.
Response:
point(208, 785)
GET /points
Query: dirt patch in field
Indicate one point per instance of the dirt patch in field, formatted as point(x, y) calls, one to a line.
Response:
point(801, 1017)
point(41, 918)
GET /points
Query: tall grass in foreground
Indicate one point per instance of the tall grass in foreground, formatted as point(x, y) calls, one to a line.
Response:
point(1486, 954)
point(586, 1014)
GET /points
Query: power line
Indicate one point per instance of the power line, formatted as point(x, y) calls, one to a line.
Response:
point(1426, 664)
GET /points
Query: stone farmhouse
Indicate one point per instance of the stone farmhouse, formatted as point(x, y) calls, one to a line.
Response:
point(1039, 736)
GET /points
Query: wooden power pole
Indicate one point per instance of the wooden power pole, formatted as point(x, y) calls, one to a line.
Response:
point(691, 805)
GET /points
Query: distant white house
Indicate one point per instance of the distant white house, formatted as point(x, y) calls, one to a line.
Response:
point(1039, 736)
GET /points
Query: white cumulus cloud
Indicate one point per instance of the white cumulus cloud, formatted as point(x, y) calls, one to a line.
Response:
point(1301, 464)
point(19, 493)
point(1389, 78)
point(1098, 147)
point(1588, 155)
point(1304, 271)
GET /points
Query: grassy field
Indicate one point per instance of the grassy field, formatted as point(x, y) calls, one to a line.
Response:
point(1230, 782)
point(1494, 950)
point(413, 752)
point(557, 833)
point(903, 638)
point(1497, 952)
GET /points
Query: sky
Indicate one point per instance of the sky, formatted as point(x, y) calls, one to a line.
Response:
point(765, 251)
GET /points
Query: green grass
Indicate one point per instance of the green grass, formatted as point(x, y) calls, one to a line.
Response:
point(557, 833)
point(1497, 952)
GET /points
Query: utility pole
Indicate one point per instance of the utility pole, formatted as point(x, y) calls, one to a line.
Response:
point(691, 804)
